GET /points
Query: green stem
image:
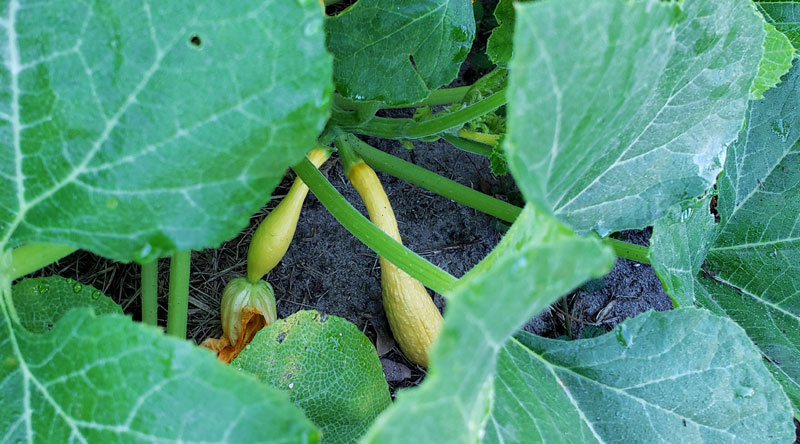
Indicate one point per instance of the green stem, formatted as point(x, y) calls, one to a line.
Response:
point(468, 145)
point(354, 111)
point(486, 139)
point(628, 250)
point(150, 293)
point(31, 257)
point(444, 96)
point(372, 236)
point(178, 305)
point(347, 154)
point(431, 181)
point(389, 128)
point(474, 199)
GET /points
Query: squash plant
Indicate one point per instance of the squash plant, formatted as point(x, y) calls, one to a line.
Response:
point(140, 130)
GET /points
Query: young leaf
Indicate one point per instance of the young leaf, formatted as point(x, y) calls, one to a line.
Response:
point(785, 15)
point(778, 53)
point(536, 262)
point(40, 302)
point(398, 52)
point(618, 110)
point(678, 247)
point(499, 46)
point(107, 379)
point(685, 373)
point(753, 265)
point(328, 368)
point(130, 126)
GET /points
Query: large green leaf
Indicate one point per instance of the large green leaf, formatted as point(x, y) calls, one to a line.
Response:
point(618, 109)
point(536, 262)
point(679, 376)
point(753, 264)
point(110, 380)
point(132, 128)
point(41, 302)
point(757, 249)
point(778, 54)
point(328, 368)
point(398, 52)
point(785, 15)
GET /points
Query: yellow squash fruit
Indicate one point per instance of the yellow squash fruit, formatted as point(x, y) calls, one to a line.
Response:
point(413, 317)
point(275, 233)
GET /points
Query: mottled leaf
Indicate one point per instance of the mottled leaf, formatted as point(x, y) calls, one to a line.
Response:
point(42, 301)
point(133, 129)
point(785, 15)
point(398, 52)
point(328, 368)
point(778, 53)
point(536, 262)
point(752, 271)
point(618, 110)
point(109, 380)
point(679, 376)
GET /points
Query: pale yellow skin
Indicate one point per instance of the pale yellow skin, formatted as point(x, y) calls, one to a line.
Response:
point(413, 317)
point(275, 233)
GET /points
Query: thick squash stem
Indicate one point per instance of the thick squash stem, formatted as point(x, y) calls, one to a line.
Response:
point(150, 293)
point(274, 235)
point(178, 302)
point(31, 257)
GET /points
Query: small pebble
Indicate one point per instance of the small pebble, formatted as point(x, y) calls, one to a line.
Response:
point(395, 371)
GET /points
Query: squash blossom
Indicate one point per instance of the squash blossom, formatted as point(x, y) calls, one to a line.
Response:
point(239, 294)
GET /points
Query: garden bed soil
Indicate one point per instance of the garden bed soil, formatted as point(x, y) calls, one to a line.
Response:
point(329, 270)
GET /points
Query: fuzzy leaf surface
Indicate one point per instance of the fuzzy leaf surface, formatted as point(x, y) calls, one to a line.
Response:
point(398, 52)
point(107, 379)
point(685, 375)
point(134, 129)
point(326, 366)
point(753, 263)
point(41, 302)
point(617, 110)
point(537, 261)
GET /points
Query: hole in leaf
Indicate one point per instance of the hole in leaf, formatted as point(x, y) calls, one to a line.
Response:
point(195, 41)
point(413, 63)
point(338, 7)
point(281, 336)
